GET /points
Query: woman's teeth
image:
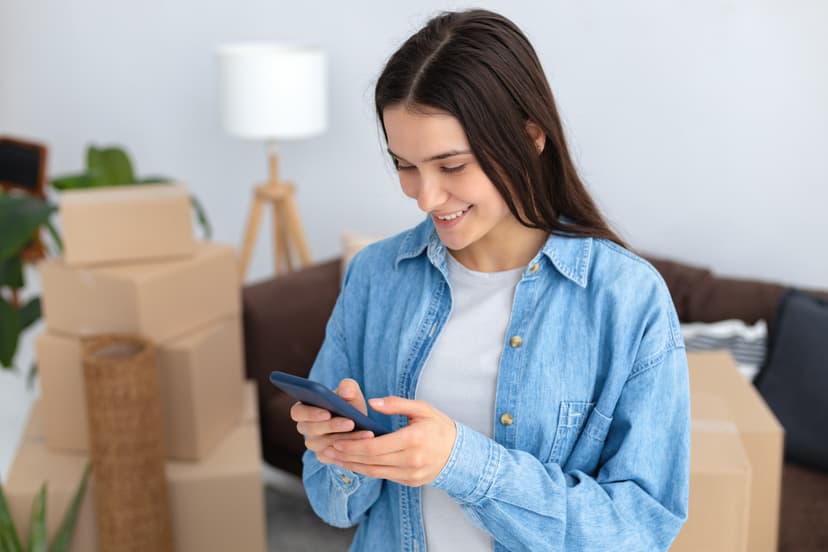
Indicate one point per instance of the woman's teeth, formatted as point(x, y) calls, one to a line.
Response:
point(454, 215)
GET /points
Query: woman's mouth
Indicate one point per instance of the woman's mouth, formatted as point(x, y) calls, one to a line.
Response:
point(451, 220)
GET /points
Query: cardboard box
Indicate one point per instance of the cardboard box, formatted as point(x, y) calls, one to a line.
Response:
point(200, 376)
point(126, 223)
point(762, 438)
point(717, 518)
point(201, 382)
point(217, 504)
point(157, 300)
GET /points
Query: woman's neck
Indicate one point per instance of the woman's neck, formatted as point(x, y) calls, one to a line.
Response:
point(502, 251)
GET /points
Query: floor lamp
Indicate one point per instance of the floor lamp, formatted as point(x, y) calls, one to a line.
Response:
point(273, 92)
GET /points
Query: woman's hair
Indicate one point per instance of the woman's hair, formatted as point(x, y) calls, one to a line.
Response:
point(479, 67)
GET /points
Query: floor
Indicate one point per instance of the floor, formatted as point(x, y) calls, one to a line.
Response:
point(292, 526)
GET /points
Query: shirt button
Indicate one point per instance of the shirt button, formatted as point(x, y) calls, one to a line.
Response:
point(515, 341)
point(506, 419)
point(345, 479)
point(534, 268)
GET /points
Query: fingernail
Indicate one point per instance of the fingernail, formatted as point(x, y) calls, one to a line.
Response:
point(329, 453)
point(376, 402)
point(343, 424)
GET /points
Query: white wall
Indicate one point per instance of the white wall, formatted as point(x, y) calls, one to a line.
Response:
point(700, 127)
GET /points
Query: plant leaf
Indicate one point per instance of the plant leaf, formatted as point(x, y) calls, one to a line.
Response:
point(9, 332)
point(201, 215)
point(63, 538)
point(94, 164)
point(55, 236)
point(8, 545)
point(154, 180)
point(8, 534)
point(30, 377)
point(115, 166)
point(11, 273)
point(37, 525)
point(98, 179)
point(20, 216)
point(75, 181)
point(29, 313)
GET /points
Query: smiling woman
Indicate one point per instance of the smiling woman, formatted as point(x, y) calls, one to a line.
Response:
point(529, 365)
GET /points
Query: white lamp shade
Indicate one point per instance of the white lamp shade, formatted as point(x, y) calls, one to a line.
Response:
point(272, 91)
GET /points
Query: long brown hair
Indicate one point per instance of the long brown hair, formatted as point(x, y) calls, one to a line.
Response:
point(478, 66)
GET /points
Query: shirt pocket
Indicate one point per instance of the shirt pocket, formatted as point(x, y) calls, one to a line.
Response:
point(572, 416)
point(588, 446)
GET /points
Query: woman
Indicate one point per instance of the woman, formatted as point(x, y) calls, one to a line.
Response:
point(530, 366)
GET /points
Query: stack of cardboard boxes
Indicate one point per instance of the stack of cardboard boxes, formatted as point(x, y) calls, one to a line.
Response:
point(132, 266)
point(736, 455)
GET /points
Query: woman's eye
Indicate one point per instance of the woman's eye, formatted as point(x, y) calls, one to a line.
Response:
point(457, 168)
point(404, 167)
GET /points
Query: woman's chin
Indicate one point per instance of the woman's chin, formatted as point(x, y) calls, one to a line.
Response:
point(453, 242)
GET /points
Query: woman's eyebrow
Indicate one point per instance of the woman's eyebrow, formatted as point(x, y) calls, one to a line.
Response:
point(443, 155)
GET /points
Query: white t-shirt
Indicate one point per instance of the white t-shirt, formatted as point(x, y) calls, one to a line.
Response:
point(460, 379)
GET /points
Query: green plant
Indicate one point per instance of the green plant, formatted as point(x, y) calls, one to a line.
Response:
point(111, 166)
point(9, 540)
point(20, 218)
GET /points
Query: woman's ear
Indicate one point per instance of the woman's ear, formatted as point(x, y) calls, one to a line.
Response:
point(537, 135)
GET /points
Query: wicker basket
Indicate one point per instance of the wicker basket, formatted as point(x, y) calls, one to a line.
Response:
point(126, 444)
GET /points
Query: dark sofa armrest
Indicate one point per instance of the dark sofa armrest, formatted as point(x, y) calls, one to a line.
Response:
point(284, 321)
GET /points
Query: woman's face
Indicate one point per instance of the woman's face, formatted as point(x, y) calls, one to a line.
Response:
point(437, 169)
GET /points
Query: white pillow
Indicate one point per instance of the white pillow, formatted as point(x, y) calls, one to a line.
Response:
point(352, 242)
point(747, 344)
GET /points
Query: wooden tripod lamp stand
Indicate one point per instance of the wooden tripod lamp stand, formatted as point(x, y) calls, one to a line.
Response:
point(287, 228)
point(273, 92)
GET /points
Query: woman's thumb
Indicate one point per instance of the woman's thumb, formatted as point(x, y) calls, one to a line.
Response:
point(349, 390)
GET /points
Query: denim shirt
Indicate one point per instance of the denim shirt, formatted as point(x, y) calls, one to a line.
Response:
point(595, 452)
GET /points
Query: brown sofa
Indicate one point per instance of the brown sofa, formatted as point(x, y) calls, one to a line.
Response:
point(284, 325)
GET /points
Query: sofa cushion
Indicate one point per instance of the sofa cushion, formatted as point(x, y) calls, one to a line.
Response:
point(794, 379)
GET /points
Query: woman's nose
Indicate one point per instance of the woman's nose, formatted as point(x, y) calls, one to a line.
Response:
point(431, 194)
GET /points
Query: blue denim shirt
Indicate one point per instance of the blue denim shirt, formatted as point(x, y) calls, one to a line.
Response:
point(597, 453)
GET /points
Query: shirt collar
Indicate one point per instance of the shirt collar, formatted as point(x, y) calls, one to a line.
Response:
point(570, 255)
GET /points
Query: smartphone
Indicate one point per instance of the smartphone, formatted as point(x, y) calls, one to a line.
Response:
point(316, 394)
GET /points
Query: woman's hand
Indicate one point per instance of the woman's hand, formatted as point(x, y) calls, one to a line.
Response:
point(413, 455)
point(320, 429)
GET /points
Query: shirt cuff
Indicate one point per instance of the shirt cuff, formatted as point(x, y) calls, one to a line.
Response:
point(345, 480)
point(471, 467)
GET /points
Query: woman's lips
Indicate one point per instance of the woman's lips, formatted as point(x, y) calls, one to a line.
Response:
point(446, 224)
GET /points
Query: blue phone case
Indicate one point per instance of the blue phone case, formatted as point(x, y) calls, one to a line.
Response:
point(316, 394)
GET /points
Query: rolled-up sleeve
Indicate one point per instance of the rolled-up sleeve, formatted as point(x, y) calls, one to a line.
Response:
point(339, 496)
